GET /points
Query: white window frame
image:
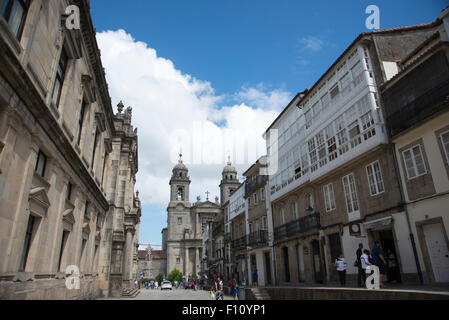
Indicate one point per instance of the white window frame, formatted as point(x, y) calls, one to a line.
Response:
point(294, 207)
point(282, 216)
point(446, 152)
point(262, 194)
point(350, 196)
point(329, 197)
point(415, 167)
point(376, 181)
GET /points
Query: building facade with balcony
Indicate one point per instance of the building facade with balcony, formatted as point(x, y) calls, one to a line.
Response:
point(336, 184)
point(68, 164)
point(417, 116)
point(259, 237)
point(237, 241)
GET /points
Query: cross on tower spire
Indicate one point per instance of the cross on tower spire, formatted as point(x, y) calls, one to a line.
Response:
point(207, 195)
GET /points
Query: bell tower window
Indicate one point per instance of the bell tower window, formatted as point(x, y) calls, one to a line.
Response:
point(180, 195)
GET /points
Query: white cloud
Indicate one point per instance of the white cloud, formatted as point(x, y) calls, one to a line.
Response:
point(259, 97)
point(311, 43)
point(166, 101)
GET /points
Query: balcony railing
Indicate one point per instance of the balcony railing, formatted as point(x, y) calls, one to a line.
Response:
point(258, 238)
point(301, 225)
point(238, 243)
point(250, 187)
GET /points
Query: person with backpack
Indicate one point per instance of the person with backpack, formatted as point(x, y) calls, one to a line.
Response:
point(341, 265)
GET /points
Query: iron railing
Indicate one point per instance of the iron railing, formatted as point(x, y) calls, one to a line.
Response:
point(238, 243)
point(307, 223)
point(258, 238)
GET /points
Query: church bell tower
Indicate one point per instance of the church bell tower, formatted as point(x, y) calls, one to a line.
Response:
point(180, 182)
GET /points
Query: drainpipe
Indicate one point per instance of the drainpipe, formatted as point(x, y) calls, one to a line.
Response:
point(412, 237)
point(275, 280)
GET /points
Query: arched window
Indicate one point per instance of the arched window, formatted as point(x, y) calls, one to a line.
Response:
point(180, 196)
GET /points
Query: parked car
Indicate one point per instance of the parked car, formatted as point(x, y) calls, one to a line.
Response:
point(166, 285)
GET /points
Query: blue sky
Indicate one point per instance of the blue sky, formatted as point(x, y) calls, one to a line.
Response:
point(256, 53)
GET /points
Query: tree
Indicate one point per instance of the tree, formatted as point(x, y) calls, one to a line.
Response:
point(194, 276)
point(159, 278)
point(175, 275)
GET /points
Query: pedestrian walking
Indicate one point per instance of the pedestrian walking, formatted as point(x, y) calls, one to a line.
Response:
point(379, 261)
point(393, 270)
point(235, 289)
point(255, 277)
point(341, 265)
point(361, 273)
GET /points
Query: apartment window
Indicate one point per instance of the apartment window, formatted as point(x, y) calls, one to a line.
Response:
point(282, 216)
point(414, 162)
point(69, 191)
point(60, 75)
point(329, 197)
point(250, 227)
point(96, 140)
point(445, 142)
point(309, 202)
point(41, 163)
point(264, 223)
point(81, 120)
point(27, 244)
point(65, 236)
point(352, 204)
point(294, 208)
point(14, 12)
point(262, 194)
point(255, 199)
point(83, 254)
point(178, 260)
point(376, 184)
point(334, 91)
point(179, 220)
point(249, 202)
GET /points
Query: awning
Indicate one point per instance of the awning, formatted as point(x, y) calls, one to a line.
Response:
point(378, 224)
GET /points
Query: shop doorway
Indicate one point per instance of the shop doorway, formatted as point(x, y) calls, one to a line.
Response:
point(335, 251)
point(267, 268)
point(388, 245)
point(317, 262)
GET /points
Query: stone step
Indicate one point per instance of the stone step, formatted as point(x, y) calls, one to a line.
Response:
point(260, 294)
point(130, 293)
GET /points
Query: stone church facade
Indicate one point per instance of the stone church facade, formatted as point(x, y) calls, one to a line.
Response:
point(187, 222)
point(68, 164)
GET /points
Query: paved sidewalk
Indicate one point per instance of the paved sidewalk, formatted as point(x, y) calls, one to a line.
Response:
point(175, 294)
point(443, 287)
